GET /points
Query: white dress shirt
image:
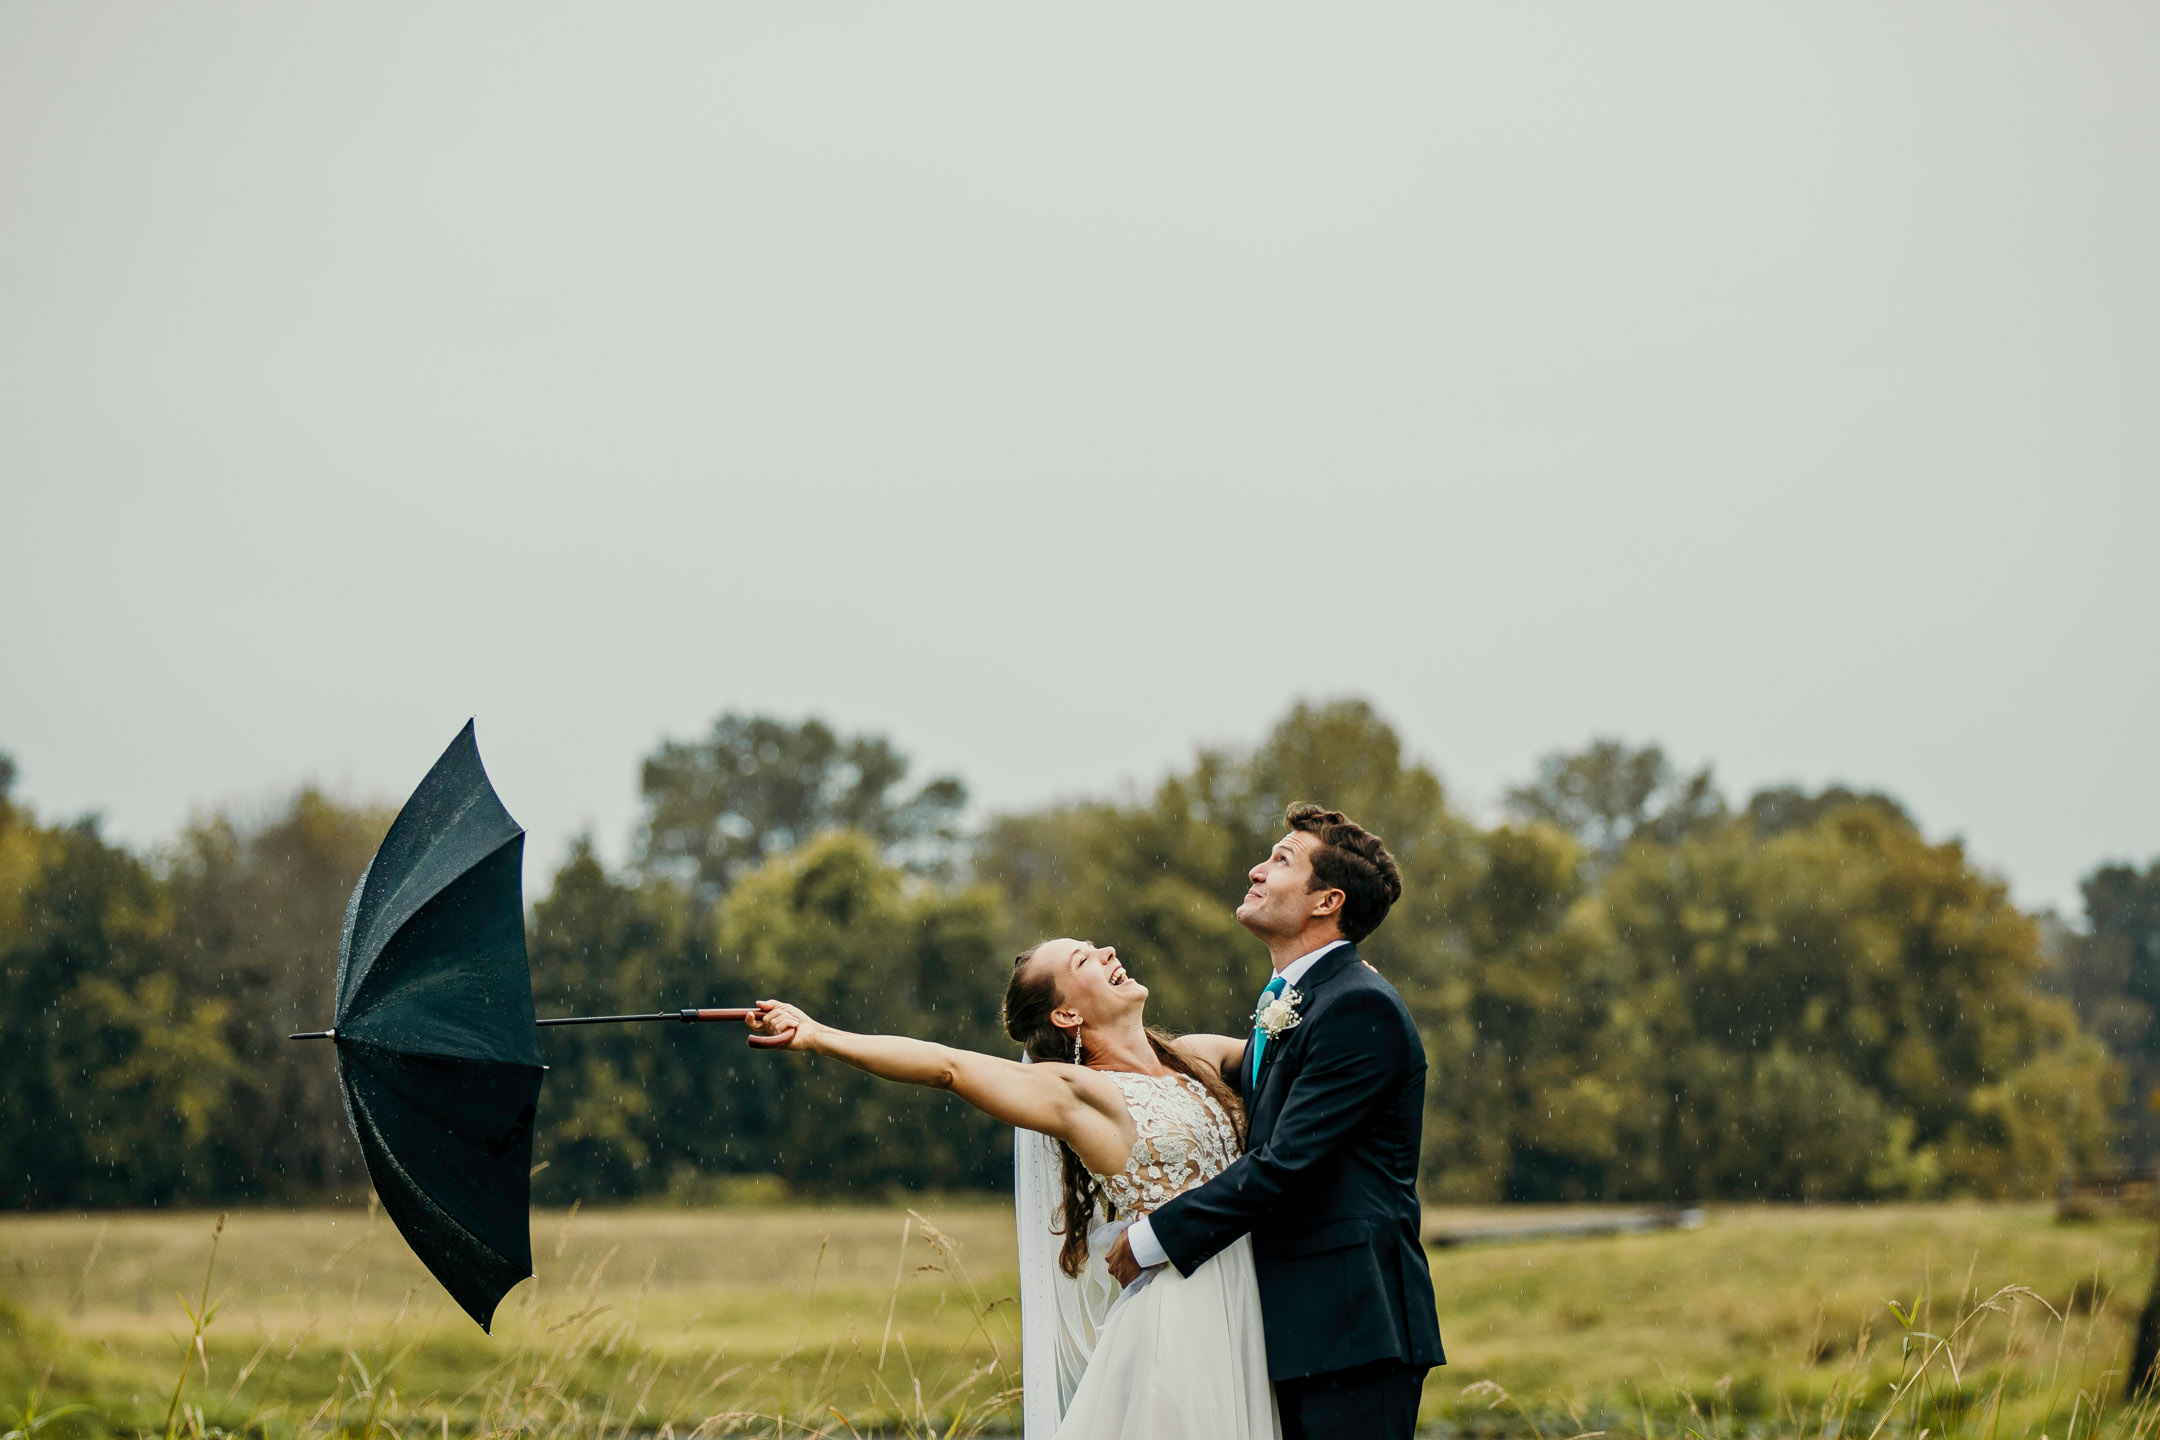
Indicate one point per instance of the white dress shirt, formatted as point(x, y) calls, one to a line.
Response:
point(1141, 1237)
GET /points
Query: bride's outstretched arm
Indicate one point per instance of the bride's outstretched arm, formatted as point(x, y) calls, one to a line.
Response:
point(1062, 1101)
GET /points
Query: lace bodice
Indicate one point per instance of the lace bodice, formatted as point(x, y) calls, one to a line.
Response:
point(1185, 1140)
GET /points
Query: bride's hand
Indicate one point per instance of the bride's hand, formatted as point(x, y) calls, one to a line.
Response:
point(777, 1025)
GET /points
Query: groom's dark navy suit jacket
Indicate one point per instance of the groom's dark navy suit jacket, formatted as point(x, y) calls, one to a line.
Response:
point(1327, 1186)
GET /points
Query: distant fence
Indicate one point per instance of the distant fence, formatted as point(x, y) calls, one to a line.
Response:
point(1502, 1231)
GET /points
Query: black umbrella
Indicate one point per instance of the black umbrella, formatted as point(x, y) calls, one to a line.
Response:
point(438, 1050)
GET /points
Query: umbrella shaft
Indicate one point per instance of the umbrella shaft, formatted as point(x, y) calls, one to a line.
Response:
point(687, 1017)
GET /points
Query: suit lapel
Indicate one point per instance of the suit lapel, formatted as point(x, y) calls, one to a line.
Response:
point(1326, 968)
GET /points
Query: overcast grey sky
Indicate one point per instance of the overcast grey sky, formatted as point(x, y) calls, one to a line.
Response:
point(1053, 388)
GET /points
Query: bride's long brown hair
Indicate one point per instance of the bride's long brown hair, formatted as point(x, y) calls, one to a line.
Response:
point(1030, 997)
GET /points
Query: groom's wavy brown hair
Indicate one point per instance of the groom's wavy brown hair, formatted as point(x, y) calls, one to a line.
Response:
point(1030, 998)
point(1351, 859)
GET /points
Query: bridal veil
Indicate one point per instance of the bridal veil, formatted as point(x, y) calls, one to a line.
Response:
point(1059, 1316)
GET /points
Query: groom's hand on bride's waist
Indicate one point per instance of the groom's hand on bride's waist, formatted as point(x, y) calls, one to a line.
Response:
point(1124, 1265)
point(1121, 1262)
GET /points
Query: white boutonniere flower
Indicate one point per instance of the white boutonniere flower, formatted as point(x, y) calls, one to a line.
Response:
point(1278, 1015)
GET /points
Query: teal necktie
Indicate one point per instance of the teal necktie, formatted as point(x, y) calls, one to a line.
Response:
point(1259, 1036)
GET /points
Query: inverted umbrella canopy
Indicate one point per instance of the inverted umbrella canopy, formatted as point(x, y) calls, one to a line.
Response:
point(438, 1054)
point(438, 1050)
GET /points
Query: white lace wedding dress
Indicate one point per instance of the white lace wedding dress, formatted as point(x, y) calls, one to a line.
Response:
point(1177, 1357)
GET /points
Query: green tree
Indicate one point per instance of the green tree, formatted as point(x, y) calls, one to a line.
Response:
point(863, 945)
point(756, 786)
point(2110, 974)
point(1778, 808)
point(1847, 1010)
point(1533, 1037)
point(113, 1073)
point(258, 904)
point(627, 1109)
point(1609, 794)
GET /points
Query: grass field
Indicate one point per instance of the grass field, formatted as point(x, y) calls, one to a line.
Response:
point(648, 1321)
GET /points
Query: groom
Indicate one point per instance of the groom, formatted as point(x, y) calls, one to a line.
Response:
point(1333, 1082)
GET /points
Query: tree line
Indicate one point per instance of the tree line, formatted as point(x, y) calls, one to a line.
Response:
point(1630, 988)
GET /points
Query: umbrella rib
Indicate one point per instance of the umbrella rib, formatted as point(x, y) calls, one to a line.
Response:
point(398, 907)
point(419, 1192)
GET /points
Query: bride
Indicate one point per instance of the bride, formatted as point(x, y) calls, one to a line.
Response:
point(1138, 1118)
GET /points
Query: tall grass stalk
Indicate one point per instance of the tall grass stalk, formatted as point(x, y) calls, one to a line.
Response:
point(200, 1314)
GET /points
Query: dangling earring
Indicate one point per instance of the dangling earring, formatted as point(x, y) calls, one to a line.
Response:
point(1076, 1046)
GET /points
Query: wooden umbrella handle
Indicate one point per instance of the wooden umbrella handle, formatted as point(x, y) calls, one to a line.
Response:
point(687, 1017)
point(762, 1042)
